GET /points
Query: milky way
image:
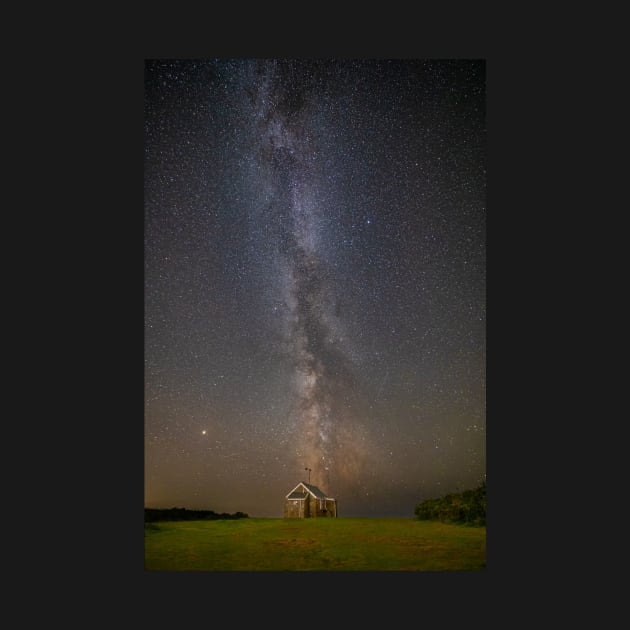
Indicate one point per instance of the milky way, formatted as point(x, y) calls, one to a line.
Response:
point(328, 436)
point(315, 282)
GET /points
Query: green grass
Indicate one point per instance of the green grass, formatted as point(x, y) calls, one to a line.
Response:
point(325, 544)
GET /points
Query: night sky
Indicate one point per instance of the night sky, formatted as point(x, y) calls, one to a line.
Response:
point(315, 282)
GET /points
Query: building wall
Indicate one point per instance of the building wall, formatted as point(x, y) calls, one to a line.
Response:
point(310, 508)
point(331, 506)
point(321, 508)
point(293, 508)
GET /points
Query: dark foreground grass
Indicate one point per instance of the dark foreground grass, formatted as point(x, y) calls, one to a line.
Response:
point(324, 544)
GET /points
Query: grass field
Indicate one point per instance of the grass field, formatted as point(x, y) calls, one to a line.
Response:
point(324, 544)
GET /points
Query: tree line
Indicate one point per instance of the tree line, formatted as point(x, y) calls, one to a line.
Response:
point(467, 508)
point(182, 514)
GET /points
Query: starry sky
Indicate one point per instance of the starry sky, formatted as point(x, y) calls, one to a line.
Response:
point(314, 282)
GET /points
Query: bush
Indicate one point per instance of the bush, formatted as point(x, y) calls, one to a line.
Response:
point(467, 508)
point(182, 514)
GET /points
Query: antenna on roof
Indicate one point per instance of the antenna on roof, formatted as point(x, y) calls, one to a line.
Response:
point(309, 474)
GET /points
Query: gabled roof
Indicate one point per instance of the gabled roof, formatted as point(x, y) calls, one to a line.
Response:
point(300, 491)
